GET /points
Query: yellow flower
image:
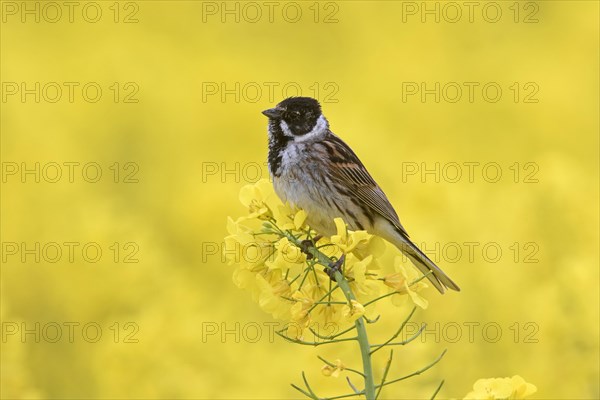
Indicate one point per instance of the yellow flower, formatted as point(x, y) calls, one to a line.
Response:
point(353, 311)
point(522, 388)
point(287, 256)
point(255, 197)
point(300, 318)
point(273, 292)
point(501, 388)
point(328, 370)
point(245, 252)
point(242, 248)
point(295, 330)
point(299, 311)
point(326, 317)
point(348, 240)
point(263, 204)
point(272, 267)
point(299, 219)
point(358, 269)
point(375, 247)
point(243, 277)
point(362, 278)
point(290, 220)
point(401, 283)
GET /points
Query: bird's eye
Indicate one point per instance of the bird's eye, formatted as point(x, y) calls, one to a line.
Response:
point(294, 115)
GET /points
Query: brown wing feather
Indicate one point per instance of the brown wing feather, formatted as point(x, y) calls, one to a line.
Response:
point(351, 173)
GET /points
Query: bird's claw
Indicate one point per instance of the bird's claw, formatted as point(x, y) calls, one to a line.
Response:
point(335, 267)
point(306, 244)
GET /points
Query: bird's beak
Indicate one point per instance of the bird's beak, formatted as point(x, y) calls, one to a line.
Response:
point(273, 113)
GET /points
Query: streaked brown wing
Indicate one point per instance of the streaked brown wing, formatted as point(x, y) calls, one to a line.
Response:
point(352, 174)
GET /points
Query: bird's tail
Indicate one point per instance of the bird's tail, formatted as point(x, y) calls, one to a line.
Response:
point(438, 278)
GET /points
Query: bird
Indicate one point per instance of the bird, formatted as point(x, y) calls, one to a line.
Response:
point(314, 170)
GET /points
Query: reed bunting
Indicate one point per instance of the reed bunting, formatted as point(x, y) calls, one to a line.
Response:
point(316, 171)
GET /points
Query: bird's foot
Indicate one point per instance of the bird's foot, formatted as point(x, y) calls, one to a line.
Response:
point(305, 245)
point(335, 267)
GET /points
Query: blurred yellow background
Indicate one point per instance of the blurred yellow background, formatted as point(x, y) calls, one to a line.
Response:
point(163, 98)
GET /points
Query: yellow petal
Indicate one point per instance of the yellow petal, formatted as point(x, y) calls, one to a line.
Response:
point(299, 219)
point(376, 246)
point(522, 389)
point(265, 188)
point(418, 299)
point(359, 268)
point(242, 277)
point(340, 227)
point(231, 226)
point(295, 330)
point(396, 281)
point(247, 194)
point(353, 311)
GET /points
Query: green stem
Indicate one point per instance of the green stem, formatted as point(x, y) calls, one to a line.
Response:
point(363, 340)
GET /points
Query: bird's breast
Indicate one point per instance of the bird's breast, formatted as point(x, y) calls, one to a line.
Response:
point(304, 182)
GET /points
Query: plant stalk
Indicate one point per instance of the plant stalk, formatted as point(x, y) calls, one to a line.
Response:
point(362, 338)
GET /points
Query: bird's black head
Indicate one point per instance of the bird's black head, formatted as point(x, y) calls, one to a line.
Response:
point(300, 115)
